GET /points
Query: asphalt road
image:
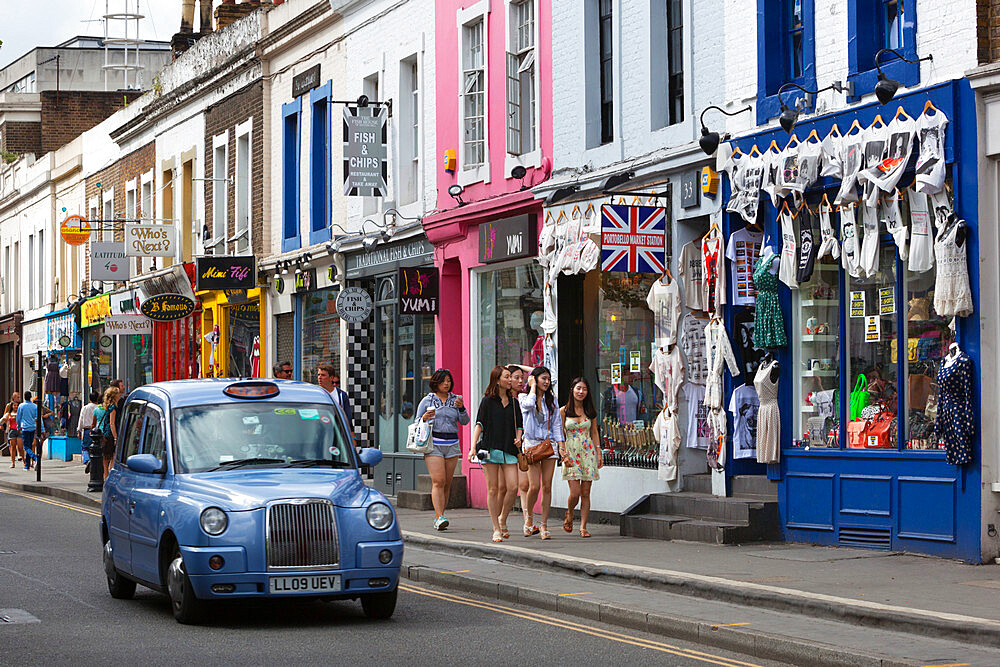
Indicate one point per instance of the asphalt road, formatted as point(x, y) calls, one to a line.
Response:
point(55, 575)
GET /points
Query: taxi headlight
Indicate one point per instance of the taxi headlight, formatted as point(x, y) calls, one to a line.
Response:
point(214, 521)
point(379, 516)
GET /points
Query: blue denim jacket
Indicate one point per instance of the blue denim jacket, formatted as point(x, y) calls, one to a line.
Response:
point(446, 416)
point(539, 426)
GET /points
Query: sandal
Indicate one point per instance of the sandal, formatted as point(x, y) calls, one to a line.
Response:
point(497, 536)
point(504, 533)
point(568, 522)
point(584, 533)
point(546, 535)
point(529, 526)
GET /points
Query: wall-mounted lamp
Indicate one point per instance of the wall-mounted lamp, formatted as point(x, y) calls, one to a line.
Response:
point(886, 88)
point(709, 141)
point(519, 173)
point(456, 192)
point(369, 243)
point(790, 115)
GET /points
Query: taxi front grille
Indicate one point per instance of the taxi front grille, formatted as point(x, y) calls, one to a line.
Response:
point(301, 534)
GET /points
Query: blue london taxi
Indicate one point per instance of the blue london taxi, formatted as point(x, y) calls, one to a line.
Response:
point(245, 488)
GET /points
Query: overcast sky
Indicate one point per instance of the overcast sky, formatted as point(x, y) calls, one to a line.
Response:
point(25, 24)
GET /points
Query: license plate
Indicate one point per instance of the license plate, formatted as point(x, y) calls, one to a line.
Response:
point(317, 583)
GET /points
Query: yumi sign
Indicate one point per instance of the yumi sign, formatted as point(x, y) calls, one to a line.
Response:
point(146, 239)
point(366, 162)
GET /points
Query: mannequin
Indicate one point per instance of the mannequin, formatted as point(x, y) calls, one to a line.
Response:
point(775, 367)
point(537, 353)
point(954, 352)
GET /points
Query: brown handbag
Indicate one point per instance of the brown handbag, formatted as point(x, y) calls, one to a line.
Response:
point(522, 462)
point(541, 451)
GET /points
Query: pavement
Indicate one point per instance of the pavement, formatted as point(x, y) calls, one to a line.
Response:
point(915, 598)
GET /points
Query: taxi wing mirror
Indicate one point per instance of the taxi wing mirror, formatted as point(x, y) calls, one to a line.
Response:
point(144, 463)
point(370, 456)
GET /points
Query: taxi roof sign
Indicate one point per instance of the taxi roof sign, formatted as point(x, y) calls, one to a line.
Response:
point(251, 390)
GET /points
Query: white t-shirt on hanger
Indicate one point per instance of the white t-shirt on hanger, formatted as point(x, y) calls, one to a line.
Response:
point(742, 251)
point(691, 271)
point(921, 234)
point(665, 302)
point(930, 160)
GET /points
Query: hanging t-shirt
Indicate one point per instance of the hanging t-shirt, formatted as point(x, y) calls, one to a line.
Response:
point(693, 348)
point(788, 171)
point(691, 272)
point(930, 160)
point(628, 404)
point(771, 161)
point(876, 137)
point(750, 355)
point(665, 302)
point(743, 250)
point(869, 242)
point(830, 164)
point(921, 234)
point(789, 253)
point(745, 176)
point(850, 245)
point(744, 405)
point(668, 374)
point(884, 173)
point(809, 159)
point(698, 435)
point(807, 246)
point(828, 244)
point(715, 279)
point(889, 211)
point(852, 148)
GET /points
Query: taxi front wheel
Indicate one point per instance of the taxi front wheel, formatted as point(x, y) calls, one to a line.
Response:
point(379, 606)
point(186, 607)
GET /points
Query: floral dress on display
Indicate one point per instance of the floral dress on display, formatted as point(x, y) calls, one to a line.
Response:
point(768, 325)
point(581, 451)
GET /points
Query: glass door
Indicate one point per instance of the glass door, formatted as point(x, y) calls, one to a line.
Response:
point(408, 375)
point(385, 334)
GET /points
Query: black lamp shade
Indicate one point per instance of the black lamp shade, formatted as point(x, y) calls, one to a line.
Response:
point(787, 119)
point(885, 89)
point(709, 141)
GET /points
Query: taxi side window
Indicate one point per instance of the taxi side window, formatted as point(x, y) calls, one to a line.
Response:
point(153, 437)
point(132, 430)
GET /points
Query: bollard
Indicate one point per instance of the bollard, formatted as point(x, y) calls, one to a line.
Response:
point(96, 482)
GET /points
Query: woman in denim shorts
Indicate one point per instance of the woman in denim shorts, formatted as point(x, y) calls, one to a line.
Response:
point(446, 411)
point(13, 433)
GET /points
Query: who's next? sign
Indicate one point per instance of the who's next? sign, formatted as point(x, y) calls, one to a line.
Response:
point(366, 162)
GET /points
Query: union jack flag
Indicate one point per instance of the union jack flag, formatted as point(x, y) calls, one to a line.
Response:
point(633, 238)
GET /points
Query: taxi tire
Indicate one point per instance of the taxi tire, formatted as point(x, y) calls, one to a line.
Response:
point(379, 606)
point(187, 608)
point(119, 587)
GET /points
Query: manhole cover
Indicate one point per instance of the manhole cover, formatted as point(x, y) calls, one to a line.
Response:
point(16, 617)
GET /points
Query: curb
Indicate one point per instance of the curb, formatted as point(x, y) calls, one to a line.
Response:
point(43, 489)
point(981, 631)
point(757, 644)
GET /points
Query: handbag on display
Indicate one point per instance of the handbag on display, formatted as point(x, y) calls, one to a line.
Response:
point(878, 434)
point(856, 434)
point(859, 398)
point(418, 437)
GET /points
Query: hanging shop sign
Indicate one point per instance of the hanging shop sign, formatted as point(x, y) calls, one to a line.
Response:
point(146, 239)
point(75, 230)
point(306, 81)
point(418, 290)
point(222, 273)
point(167, 307)
point(366, 163)
point(124, 325)
point(354, 304)
point(107, 261)
point(305, 281)
point(279, 284)
point(33, 337)
point(93, 311)
point(59, 327)
point(509, 238)
point(633, 238)
point(389, 257)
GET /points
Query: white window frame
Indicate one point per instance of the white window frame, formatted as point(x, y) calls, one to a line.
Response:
point(532, 158)
point(656, 45)
point(131, 212)
point(480, 11)
point(411, 163)
point(244, 129)
point(147, 211)
point(220, 193)
point(107, 234)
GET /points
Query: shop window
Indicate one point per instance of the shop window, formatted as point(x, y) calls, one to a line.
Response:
point(928, 336)
point(290, 150)
point(817, 358)
point(626, 396)
point(510, 318)
point(320, 332)
point(284, 326)
point(521, 106)
point(319, 164)
point(785, 53)
point(881, 24)
point(244, 340)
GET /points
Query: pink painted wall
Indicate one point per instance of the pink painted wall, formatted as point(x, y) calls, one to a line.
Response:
point(453, 229)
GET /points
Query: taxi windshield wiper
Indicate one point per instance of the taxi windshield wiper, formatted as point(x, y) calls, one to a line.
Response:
point(239, 463)
point(310, 463)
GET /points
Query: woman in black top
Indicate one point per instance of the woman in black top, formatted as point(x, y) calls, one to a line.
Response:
point(497, 438)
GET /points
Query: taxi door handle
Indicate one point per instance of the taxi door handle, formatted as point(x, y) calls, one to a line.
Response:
point(131, 506)
point(114, 497)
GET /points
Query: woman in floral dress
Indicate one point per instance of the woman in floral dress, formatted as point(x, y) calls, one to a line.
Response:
point(581, 453)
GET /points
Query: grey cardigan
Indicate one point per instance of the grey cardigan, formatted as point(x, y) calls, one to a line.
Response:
point(446, 416)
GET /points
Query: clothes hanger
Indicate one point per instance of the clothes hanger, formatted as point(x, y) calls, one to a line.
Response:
point(929, 105)
point(774, 147)
point(855, 125)
point(813, 135)
point(877, 121)
point(834, 130)
point(755, 152)
point(825, 201)
point(790, 140)
point(901, 110)
point(577, 213)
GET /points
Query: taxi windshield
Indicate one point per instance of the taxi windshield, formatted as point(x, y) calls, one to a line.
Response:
point(265, 434)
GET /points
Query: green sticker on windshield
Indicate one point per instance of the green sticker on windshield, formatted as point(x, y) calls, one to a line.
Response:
point(309, 413)
point(285, 411)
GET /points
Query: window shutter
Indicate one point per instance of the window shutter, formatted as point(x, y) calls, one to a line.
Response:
point(513, 105)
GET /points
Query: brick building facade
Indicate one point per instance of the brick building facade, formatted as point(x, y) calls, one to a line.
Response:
point(61, 117)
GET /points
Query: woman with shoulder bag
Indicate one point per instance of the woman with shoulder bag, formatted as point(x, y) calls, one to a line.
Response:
point(9, 420)
point(105, 426)
point(543, 441)
point(581, 454)
point(446, 411)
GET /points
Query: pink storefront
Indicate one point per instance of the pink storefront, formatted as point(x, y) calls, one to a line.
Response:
point(494, 135)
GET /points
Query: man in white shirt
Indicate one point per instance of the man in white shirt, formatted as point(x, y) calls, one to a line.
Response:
point(329, 379)
point(85, 423)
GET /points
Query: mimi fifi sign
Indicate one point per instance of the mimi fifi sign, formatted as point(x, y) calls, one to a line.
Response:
point(418, 290)
point(222, 273)
point(167, 307)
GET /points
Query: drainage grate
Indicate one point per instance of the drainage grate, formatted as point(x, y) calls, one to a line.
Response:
point(16, 617)
point(869, 538)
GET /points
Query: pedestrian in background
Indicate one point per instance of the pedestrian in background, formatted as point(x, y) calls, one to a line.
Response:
point(581, 456)
point(542, 427)
point(498, 435)
point(106, 425)
point(27, 420)
point(328, 378)
point(517, 374)
point(283, 370)
point(85, 425)
point(119, 403)
point(13, 432)
point(446, 411)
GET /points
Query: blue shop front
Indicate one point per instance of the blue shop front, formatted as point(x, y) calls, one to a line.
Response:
point(63, 382)
point(883, 343)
